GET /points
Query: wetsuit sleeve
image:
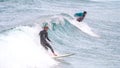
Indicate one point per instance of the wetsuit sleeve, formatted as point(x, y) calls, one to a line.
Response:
point(47, 37)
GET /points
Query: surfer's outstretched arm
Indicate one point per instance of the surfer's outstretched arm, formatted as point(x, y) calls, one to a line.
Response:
point(47, 37)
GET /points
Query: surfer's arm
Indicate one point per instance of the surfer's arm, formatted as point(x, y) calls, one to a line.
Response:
point(47, 37)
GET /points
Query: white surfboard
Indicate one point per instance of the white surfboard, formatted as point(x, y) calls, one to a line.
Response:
point(64, 55)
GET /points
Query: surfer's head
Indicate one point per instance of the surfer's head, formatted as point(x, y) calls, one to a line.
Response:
point(46, 28)
point(84, 13)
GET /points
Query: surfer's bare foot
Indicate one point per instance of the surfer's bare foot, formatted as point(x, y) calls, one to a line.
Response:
point(54, 54)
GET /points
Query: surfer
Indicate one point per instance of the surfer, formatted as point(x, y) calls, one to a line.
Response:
point(43, 36)
point(80, 16)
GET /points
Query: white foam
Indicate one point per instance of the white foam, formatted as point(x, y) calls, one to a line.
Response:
point(84, 27)
point(20, 48)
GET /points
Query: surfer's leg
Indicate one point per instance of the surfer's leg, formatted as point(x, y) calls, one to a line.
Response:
point(48, 45)
point(80, 19)
point(44, 45)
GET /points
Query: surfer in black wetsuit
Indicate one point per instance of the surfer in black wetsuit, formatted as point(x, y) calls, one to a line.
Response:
point(43, 36)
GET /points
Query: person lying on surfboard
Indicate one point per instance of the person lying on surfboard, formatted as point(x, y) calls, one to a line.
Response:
point(80, 16)
point(43, 36)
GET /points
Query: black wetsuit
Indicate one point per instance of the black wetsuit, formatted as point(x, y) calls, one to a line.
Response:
point(43, 36)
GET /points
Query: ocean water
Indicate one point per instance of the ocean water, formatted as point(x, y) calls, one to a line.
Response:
point(95, 41)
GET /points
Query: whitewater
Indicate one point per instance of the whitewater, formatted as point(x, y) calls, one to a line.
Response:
point(95, 41)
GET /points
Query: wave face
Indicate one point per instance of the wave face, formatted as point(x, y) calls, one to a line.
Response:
point(95, 41)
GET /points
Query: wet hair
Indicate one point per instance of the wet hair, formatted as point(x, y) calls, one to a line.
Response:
point(85, 12)
point(46, 27)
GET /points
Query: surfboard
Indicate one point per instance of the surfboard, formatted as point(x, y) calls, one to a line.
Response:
point(64, 55)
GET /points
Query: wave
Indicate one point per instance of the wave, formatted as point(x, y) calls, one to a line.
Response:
point(103, 0)
point(65, 18)
point(20, 47)
point(85, 28)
